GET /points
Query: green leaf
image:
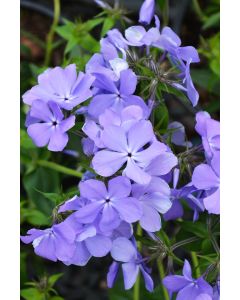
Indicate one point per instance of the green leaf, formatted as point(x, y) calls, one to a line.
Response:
point(55, 198)
point(107, 25)
point(90, 24)
point(199, 229)
point(44, 180)
point(32, 294)
point(161, 118)
point(212, 21)
point(35, 217)
point(25, 140)
point(52, 279)
point(89, 43)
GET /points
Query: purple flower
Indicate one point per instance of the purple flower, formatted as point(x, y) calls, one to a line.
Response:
point(115, 37)
point(62, 86)
point(155, 199)
point(186, 193)
point(147, 11)
point(89, 241)
point(187, 84)
point(125, 119)
point(216, 290)
point(111, 205)
point(207, 177)
point(115, 95)
point(187, 287)
point(111, 68)
point(125, 252)
point(128, 147)
point(177, 134)
point(162, 164)
point(49, 127)
point(209, 130)
point(55, 243)
point(75, 203)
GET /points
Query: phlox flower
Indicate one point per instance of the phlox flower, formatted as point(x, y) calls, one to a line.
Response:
point(109, 205)
point(155, 199)
point(125, 253)
point(128, 147)
point(207, 177)
point(55, 243)
point(48, 126)
point(147, 11)
point(115, 95)
point(209, 130)
point(187, 287)
point(63, 86)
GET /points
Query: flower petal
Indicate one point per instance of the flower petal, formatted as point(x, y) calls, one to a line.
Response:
point(114, 138)
point(174, 283)
point(150, 220)
point(130, 273)
point(98, 245)
point(130, 209)
point(139, 135)
point(93, 190)
point(88, 213)
point(106, 163)
point(119, 187)
point(123, 250)
point(135, 173)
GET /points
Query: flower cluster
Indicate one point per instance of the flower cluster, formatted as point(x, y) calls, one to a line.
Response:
point(136, 173)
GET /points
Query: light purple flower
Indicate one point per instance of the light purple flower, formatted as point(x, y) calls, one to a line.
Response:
point(147, 11)
point(125, 119)
point(207, 177)
point(89, 241)
point(209, 130)
point(183, 193)
point(128, 147)
point(115, 95)
point(62, 86)
point(187, 287)
point(187, 85)
point(177, 134)
point(111, 205)
point(75, 203)
point(125, 252)
point(55, 243)
point(49, 127)
point(110, 68)
point(155, 199)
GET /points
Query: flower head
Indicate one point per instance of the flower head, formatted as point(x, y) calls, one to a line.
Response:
point(62, 86)
point(109, 206)
point(137, 147)
point(125, 252)
point(187, 287)
point(115, 95)
point(48, 126)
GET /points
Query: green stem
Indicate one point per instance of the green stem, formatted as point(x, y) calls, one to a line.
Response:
point(50, 36)
point(59, 168)
point(136, 289)
point(195, 264)
point(161, 276)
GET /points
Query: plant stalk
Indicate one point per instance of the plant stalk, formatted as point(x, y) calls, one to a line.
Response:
point(161, 276)
point(195, 264)
point(136, 289)
point(50, 35)
point(59, 168)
